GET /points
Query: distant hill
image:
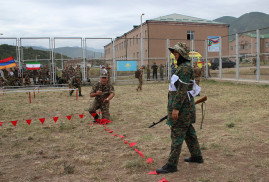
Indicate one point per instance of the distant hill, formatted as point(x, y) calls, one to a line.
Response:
point(76, 52)
point(226, 19)
point(246, 22)
point(29, 53)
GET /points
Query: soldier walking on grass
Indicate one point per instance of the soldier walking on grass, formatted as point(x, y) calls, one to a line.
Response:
point(103, 92)
point(140, 78)
point(181, 111)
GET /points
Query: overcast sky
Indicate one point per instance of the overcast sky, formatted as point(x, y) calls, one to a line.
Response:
point(106, 18)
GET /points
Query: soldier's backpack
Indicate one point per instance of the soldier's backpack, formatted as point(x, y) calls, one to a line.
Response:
point(137, 73)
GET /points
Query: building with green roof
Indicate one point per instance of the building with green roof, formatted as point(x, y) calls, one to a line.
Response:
point(160, 33)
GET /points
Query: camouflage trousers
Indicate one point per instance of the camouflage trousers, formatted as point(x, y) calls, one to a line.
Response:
point(178, 135)
point(104, 107)
point(140, 84)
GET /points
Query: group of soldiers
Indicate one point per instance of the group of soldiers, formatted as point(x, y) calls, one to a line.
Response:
point(15, 77)
point(154, 68)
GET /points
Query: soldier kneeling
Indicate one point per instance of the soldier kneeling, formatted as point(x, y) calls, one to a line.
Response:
point(103, 92)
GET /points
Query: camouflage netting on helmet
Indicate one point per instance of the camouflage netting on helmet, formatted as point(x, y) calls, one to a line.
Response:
point(181, 48)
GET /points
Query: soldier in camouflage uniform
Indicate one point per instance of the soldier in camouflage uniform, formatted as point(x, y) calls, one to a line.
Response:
point(140, 78)
point(75, 82)
point(181, 112)
point(103, 92)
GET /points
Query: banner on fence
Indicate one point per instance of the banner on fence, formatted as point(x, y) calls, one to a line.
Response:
point(126, 65)
point(213, 43)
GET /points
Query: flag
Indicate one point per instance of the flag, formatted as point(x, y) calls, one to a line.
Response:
point(7, 63)
point(33, 66)
point(126, 65)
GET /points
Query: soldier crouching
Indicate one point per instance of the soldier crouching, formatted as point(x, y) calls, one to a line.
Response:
point(103, 92)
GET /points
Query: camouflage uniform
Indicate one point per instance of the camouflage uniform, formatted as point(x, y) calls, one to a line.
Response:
point(98, 102)
point(197, 74)
point(148, 72)
point(75, 82)
point(161, 71)
point(182, 128)
point(140, 79)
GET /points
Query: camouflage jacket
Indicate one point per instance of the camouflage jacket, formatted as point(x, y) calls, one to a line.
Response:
point(179, 99)
point(106, 91)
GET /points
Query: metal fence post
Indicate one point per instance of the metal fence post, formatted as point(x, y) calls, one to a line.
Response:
point(258, 62)
point(168, 59)
point(237, 56)
point(206, 61)
point(220, 60)
point(113, 58)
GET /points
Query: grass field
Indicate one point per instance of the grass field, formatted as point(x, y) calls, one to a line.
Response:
point(234, 138)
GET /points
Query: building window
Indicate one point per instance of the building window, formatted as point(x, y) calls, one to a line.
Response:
point(190, 35)
point(133, 40)
point(137, 55)
point(250, 46)
point(266, 44)
point(136, 39)
point(231, 47)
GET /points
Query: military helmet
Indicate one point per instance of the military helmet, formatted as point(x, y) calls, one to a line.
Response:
point(181, 48)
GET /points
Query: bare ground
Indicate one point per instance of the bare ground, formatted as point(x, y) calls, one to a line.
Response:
point(234, 138)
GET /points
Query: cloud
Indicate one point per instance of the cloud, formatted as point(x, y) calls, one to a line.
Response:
point(106, 18)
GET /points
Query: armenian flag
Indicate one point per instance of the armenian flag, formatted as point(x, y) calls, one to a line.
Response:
point(7, 63)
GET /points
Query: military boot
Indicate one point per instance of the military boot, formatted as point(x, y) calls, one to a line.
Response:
point(71, 92)
point(167, 168)
point(197, 159)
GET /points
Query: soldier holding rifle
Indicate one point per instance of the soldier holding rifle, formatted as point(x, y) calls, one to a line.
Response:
point(181, 111)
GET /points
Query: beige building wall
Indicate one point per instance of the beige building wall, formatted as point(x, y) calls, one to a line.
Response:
point(248, 47)
point(155, 35)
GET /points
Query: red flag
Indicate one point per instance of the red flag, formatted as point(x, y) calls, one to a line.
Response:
point(115, 135)
point(163, 180)
point(139, 152)
point(107, 129)
point(42, 120)
point(153, 172)
point(149, 160)
point(81, 116)
point(90, 124)
point(132, 144)
point(110, 131)
point(1, 123)
point(125, 141)
point(93, 114)
point(29, 121)
point(121, 136)
point(55, 119)
point(14, 122)
point(69, 117)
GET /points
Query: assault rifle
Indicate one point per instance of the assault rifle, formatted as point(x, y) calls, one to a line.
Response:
point(203, 99)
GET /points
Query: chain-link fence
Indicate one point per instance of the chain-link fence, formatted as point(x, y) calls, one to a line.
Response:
point(242, 56)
